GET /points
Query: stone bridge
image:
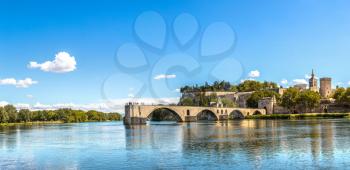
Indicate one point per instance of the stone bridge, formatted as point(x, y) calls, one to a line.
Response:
point(139, 114)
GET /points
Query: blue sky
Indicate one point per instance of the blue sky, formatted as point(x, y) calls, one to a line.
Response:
point(280, 40)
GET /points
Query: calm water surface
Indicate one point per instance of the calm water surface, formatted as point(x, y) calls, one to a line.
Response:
point(247, 144)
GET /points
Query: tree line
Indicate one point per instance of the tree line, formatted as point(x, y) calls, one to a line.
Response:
point(9, 114)
point(342, 96)
point(246, 86)
point(292, 99)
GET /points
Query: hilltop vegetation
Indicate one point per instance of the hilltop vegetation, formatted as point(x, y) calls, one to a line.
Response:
point(293, 99)
point(246, 86)
point(261, 89)
point(9, 114)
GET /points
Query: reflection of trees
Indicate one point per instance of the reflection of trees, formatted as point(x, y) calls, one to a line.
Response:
point(230, 138)
point(11, 135)
point(247, 140)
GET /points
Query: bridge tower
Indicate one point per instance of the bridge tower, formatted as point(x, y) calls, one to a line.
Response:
point(133, 114)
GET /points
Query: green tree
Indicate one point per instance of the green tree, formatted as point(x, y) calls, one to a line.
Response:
point(24, 115)
point(308, 99)
point(4, 117)
point(249, 85)
point(187, 101)
point(345, 97)
point(93, 115)
point(12, 113)
point(253, 100)
point(114, 116)
point(289, 99)
point(227, 102)
point(339, 92)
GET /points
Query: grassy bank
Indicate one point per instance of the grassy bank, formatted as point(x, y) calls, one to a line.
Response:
point(299, 116)
point(31, 123)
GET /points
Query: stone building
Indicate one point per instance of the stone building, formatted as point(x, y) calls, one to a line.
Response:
point(267, 103)
point(301, 87)
point(313, 82)
point(239, 98)
point(326, 87)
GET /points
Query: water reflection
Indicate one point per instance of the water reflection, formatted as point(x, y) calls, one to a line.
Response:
point(256, 142)
point(244, 144)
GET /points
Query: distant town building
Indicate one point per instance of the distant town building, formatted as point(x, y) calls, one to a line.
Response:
point(313, 82)
point(326, 87)
point(279, 90)
point(301, 87)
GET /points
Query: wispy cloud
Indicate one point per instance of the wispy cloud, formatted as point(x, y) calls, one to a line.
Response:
point(29, 96)
point(62, 63)
point(25, 83)
point(164, 76)
point(299, 81)
point(116, 105)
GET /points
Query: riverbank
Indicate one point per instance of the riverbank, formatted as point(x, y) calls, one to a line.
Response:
point(300, 116)
point(31, 123)
point(46, 122)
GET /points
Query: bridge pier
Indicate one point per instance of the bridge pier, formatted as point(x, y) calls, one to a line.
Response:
point(223, 117)
point(134, 121)
point(190, 118)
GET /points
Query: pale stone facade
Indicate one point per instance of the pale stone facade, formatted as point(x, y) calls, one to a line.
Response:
point(267, 104)
point(313, 82)
point(326, 87)
point(239, 98)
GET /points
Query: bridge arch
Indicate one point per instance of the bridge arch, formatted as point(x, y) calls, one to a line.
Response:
point(206, 114)
point(164, 114)
point(236, 114)
point(257, 112)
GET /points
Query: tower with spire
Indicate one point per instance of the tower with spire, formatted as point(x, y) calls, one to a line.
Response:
point(313, 82)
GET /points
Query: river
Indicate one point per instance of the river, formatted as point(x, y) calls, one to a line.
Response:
point(246, 144)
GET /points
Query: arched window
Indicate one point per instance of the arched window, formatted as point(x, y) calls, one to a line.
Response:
point(188, 112)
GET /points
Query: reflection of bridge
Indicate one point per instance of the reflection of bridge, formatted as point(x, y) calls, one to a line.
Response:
point(139, 114)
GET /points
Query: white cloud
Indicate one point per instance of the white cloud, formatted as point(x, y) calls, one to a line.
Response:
point(349, 83)
point(284, 81)
point(3, 103)
point(63, 63)
point(177, 90)
point(165, 76)
point(254, 74)
point(25, 83)
point(116, 105)
point(299, 81)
